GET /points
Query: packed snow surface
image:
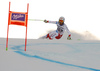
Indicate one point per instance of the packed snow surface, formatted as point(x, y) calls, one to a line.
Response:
point(50, 55)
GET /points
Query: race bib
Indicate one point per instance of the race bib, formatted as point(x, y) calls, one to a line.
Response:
point(60, 29)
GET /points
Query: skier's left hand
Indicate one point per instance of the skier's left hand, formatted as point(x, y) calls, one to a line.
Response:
point(46, 21)
point(69, 37)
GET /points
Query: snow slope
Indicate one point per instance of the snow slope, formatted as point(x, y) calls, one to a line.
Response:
point(50, 55)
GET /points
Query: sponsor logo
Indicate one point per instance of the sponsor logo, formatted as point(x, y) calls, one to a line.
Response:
point(18, 17)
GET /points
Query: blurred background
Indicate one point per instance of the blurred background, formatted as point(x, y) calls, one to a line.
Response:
point(81, 16)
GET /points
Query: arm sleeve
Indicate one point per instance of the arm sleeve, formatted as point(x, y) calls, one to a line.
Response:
point(69, 33)
point(54, 22)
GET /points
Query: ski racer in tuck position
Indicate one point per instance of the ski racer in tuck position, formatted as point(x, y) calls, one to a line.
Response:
point(61, 27)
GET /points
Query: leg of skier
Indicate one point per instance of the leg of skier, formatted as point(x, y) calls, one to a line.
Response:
point(52, 35)
point(49, 35)
point(59, 36)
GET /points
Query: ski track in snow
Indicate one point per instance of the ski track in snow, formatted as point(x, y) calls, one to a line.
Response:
point(18, 49)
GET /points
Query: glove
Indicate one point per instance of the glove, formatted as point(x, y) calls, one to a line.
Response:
point(69, 37)
point(46, 21)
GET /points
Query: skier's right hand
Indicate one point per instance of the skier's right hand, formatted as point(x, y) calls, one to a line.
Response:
point(69, 37)
point(46, 21)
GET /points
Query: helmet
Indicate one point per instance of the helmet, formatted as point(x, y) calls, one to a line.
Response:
point(62, 18)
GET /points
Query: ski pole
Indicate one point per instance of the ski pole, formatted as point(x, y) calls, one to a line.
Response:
point(35, 20)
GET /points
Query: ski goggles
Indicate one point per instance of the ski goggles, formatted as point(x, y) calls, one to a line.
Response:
point(61, 21)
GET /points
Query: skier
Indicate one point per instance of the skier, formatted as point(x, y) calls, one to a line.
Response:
point(61, 27)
